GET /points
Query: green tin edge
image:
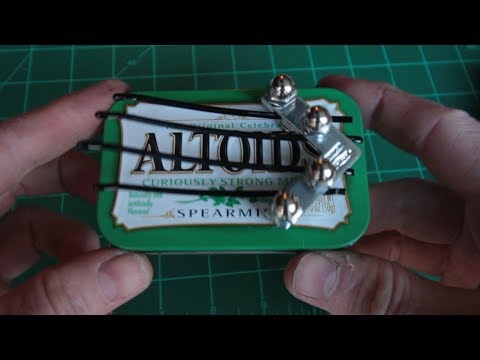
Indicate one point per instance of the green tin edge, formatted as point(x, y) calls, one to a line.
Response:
point(234, 237)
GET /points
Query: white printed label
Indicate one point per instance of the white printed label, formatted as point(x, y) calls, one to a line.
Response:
point(139, 209)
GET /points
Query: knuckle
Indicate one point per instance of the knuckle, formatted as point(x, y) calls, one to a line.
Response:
point(395, 251)
point(469, 169)
point(424, 141)
point(89, 236)
point(58, 296)
point(8, 178)
point(386, 291)
point(400, 295)
point(385, 91)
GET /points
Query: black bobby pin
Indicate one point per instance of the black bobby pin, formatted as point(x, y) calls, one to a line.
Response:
point(204, 130)
point(211, 108)
point(198, 107)
point(237, 193)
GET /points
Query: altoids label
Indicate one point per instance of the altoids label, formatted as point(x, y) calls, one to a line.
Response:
point(138, 209)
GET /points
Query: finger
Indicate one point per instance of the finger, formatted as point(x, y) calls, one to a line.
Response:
point(73, 172)
point(427, 258)
point(347, 283)
point(419, 209)
point(445, 139)
point(28, 233)
point(93, 283)
point(33, 139)
point(463, 267)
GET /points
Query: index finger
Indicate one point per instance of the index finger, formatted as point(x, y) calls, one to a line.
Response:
point(35, 138)
point(447, 140)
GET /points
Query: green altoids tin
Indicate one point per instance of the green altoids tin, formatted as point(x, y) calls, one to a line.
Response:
point(226, 171)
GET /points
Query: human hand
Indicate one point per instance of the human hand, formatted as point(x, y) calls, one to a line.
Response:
point(427, 226)
point(35, 159)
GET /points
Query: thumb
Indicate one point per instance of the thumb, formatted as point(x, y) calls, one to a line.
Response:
point(343, 282)
point(93, 283)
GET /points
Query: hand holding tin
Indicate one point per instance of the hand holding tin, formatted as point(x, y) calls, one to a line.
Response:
point(86, 279)
point(417, 225)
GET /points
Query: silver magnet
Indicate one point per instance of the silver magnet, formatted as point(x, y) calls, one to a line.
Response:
point(317, 120)
point(298, 196)
point(282, 90)
point(286, 209)
point(319, 170)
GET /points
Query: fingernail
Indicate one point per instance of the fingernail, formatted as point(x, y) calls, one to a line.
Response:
point(315, 276)
point(124, 276)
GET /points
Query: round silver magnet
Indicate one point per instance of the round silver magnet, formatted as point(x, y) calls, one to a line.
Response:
point(317, 120)
point(282, 89)
point(319, 171)
point(286, 209)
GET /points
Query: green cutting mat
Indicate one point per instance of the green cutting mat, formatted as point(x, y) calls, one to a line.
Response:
point(233, 284)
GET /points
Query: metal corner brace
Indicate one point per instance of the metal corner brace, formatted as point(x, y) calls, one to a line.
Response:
point(337, 152)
